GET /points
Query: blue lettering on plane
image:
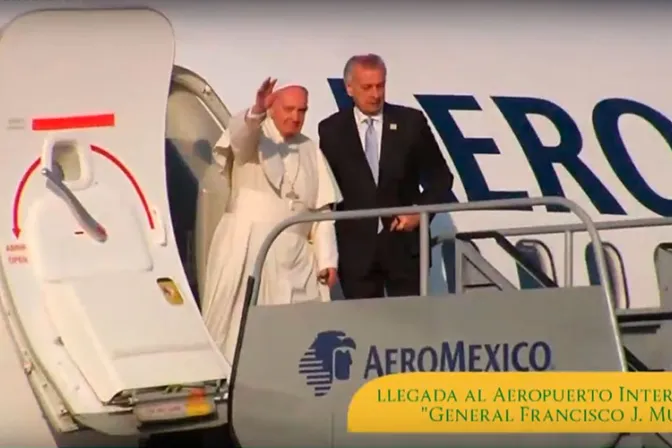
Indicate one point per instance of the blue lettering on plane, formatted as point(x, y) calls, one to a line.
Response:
point(459, 357)
point(544, 159)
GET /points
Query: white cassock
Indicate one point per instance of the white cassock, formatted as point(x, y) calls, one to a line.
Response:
point(267, 169)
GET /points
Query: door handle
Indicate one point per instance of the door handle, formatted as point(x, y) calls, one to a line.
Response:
point(83, 217)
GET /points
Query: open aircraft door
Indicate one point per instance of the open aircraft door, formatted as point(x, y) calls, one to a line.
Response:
point(98, 303)
point(297, 366)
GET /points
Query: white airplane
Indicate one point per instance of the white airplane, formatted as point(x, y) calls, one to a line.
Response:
point(109, 195)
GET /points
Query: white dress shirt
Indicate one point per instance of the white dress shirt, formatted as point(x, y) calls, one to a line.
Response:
point(362, 127)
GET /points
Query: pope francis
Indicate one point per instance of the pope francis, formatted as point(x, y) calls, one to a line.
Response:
point(277, 172)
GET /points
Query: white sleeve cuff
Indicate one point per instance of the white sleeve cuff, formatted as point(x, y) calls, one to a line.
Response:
point(253, 116)
point(325, 245)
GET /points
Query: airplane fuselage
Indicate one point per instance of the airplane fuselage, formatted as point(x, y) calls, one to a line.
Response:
point(525, 102)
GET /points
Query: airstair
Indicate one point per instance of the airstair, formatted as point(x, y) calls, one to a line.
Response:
point(484, 308)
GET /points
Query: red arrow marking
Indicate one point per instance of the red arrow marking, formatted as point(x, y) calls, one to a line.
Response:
point(109, 156)
point(17, 196)
point(16, 230)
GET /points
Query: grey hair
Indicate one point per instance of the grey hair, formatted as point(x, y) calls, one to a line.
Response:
point(367, 60)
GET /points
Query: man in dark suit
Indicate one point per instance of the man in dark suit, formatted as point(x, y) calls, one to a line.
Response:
point(380, 155)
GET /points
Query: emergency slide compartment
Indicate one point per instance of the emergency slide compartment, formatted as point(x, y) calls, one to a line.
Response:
point(99, 303)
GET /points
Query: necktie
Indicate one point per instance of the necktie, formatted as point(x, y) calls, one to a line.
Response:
point(371, 151)
point(371, 148)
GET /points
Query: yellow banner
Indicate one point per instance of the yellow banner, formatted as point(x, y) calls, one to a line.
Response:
point(539, 402)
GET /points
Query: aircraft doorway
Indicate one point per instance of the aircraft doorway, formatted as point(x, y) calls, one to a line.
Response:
point(198, 188)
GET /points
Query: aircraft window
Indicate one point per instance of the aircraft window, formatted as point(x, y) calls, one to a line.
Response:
point(66, 158)
point(539, 256)
point(448, 257)
point(662, 258)
point(615, 270)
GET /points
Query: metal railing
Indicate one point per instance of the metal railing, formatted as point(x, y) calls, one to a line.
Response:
point(587, 224)
point(568, 230)
point(254, 280)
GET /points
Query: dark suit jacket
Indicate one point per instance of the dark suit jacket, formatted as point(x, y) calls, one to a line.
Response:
point(409, 156)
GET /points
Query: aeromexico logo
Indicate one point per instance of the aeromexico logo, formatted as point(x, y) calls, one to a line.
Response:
point(546, 156)
point(329, 359)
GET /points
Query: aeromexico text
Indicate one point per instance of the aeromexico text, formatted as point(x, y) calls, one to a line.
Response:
point(567, 149)
point(459, 356)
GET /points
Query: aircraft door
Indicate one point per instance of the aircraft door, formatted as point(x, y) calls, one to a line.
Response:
point(198, 181)
point(100, 305)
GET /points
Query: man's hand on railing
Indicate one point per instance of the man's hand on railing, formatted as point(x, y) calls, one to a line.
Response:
point(405, 223)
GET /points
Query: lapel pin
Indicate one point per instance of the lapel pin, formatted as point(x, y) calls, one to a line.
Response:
point(393, 126)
